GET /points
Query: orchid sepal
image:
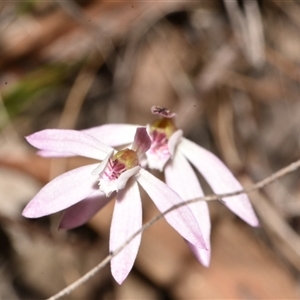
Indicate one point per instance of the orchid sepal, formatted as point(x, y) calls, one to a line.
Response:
point(69, 141)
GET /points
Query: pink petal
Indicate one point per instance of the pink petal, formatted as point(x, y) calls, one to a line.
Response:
point(81, 212)
point(174, 140)
point(101, 167)
point(182, 219)
point(124, 177)
point(46, 153)
point(62, 192)
point(113, 134)
point(126, 220)
point(69, 141)
point(203, 256)
point(156, 161)
point(182, 179)
point(219, 178)
point(142, 141)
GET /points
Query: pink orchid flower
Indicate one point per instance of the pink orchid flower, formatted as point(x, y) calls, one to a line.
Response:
point(174, 154)
point(85, 190)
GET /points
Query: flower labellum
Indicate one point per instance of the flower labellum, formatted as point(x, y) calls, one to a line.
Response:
point(165, 137)
point(119, 168)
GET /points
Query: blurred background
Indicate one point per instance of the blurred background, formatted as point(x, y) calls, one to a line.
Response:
point(229, 69)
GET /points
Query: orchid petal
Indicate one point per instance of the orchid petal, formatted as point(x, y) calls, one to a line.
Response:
point(123, 178)
point(220, 179)
point(126, 220)
point(157, 161)
point(108, 186)
point(203, 256)
point(101, 167)
point(182, 179)
point(182, 219)
point(174, 140)
point(142, 142)
point(69, 141)
point(79, 213)
point(46, 153)
point(62, 192)
point(113, 134)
